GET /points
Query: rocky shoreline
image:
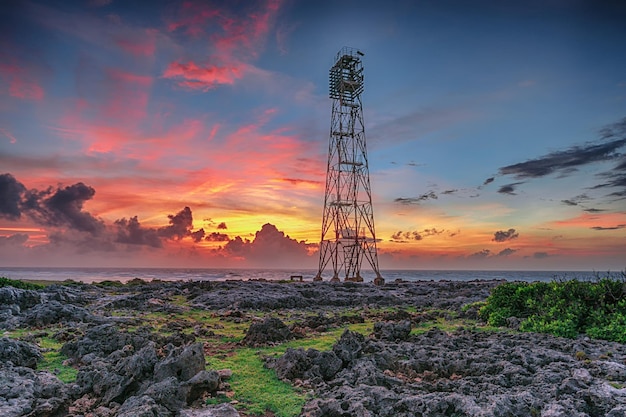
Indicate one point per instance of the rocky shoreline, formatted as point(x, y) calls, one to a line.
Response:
point(142, 349)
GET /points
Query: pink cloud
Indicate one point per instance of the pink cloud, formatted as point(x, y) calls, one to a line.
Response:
point(193, 17)
point(20, 84)
point(204, 78)
point(8, 134)
point(138, 44)
point(234, 42)
point(128, 95)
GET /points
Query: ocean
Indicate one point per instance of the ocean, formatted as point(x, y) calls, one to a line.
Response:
point(89, 275)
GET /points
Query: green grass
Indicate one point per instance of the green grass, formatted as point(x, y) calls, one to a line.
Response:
point(53, 360)
point(257, 388)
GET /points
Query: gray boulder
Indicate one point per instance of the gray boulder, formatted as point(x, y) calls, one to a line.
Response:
point(23, 299)
point(182, 363)
point(203, 381)
point(53, 312)
point(143, 406)
point(25, 392)
point(105, 339)
point(269, 330)
point(19, 353)
point(220, 410)
point(392, 331)
point(349, 346)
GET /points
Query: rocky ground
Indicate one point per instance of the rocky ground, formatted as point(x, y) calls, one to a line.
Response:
point(402, 349)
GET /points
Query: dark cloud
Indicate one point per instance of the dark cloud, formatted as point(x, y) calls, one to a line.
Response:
point(565, 162)
point(619, 226)
point(416, 200)
point(132, 233)
point(448, 192)
point(613, 179)
point(489, 181)
point(541, 255)
point(594, 210)
point(481, 254)
point(63, 207)
point(568, 161)
point(217, 237)
point(222, 226)
point(569, 202)
point(180, 225)
point(504, 235)
point(507, 252)
point(11, 191)
point(401, 236)
point(509, 188)
point(298, 181)
point(198, 235)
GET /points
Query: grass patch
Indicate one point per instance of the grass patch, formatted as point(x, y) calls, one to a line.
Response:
point(257, 388)
point(53, 360)
point(51, 351)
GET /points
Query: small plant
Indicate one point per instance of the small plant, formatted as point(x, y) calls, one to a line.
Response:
point(580, 355)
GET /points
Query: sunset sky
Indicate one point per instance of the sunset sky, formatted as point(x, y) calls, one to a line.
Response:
point(195, 133)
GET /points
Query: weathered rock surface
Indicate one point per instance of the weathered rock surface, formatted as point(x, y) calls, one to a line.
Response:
point(322, 295)
point(465, 374)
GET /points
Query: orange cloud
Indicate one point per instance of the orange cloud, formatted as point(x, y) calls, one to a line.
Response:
point(596, 221)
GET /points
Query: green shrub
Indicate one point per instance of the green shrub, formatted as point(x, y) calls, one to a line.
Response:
point(562, 308)
point(7, 282)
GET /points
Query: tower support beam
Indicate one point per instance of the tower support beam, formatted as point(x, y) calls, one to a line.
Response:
point(348, 234)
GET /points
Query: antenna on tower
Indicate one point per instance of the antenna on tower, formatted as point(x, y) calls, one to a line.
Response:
point(348, 234)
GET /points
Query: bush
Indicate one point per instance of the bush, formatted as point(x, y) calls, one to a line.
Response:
point(562, 308)
point(15, 283)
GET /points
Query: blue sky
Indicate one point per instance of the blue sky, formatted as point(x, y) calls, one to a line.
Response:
point(496, 131)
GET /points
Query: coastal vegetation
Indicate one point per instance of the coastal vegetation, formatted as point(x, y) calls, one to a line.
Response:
point(16, 283)
point(566, 308)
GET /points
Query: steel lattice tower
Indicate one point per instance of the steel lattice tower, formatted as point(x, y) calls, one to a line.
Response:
point(348, 233)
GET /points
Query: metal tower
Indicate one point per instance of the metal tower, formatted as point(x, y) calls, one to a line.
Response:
point(348, 233)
